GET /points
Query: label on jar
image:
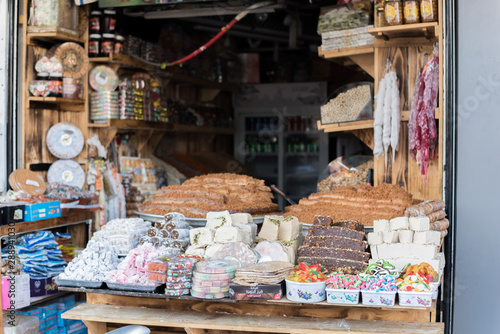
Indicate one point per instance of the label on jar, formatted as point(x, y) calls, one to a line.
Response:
point(95, 24)
point(410, 11)
point(93, 47)
point(112, 24)
point(390, 12)
point(118, 48)
point(107, 47)
point(426, 6)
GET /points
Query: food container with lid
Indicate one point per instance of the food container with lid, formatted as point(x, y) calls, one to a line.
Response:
point(40, 87)
point(381, 22)
point(109, 21)
point(411, 12)
point(378, 298)
point(107, 44)
point(342, 296)
point(56, 86)
point(416, 299)
point(305, 292)
point(95, 22)
point(394, 12)
point(95, 45)
point(119, 42)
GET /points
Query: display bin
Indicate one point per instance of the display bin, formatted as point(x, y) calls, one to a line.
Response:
point(417, 299)
point(381, 298)
point(342, 296)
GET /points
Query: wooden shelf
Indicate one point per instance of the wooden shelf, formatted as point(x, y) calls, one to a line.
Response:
point(180, 78)
point(52, 99)
point(338, 53)
point(26, 227)
point(53, 37)
point(59, 103)
point(41, 299)
point(406, 30)
point(365, 124)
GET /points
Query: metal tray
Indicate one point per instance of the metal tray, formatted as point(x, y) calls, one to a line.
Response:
point(77, 283)
point(132, 287)
point(194, 222)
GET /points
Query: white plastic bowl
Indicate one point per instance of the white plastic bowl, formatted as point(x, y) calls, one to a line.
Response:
point(415, 299)
point(342, 296)
point(305, 292)
point(378, 298)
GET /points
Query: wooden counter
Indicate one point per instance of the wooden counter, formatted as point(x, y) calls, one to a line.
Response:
point(413, 317)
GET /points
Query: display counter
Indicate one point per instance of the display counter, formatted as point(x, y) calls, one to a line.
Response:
point(281, 316)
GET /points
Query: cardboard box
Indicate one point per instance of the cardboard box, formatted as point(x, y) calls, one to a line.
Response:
point(51, 321)
point(22, 324)
point(34, 312)
point(39, 211)
point(16, 292)
point(64, 303)
point(51, 286)
point(49, 310)
point(257, 292)
point(51, 330)
point(76, 328)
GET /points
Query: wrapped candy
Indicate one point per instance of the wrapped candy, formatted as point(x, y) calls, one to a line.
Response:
point(380, 283)
point(341, 281)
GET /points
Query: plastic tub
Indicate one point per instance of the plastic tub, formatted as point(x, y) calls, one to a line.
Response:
point(416, 299)
point(378, 298)
point(305, 292)
point(342, 296)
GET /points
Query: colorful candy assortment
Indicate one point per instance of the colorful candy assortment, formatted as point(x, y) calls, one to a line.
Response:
point(380, 283)
point(341, 281)
point(307, 273)
point(414, 283)
point(424, 270)
point(212, 278)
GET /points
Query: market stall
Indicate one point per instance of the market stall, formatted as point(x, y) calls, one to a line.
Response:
point(202, 246)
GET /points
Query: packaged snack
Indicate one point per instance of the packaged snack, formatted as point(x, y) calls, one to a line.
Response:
point(179, 285)
point(177, 292)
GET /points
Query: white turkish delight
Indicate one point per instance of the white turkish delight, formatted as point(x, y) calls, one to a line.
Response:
point(216, 219)
point(375, 238)
point(380, 225)
point(419, 223)
point(241, 218)
point(227, 234)
point(406, 236)
point(270, 228)
point(390, 237)
point(201, 236)
point(427, 238)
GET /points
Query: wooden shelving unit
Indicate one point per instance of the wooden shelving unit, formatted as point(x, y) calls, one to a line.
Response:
point(53, 37)
point(125, 124)
point(26, 227)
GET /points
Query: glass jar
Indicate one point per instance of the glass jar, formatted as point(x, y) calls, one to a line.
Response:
point(94, 45)
point(411, 12)
point(109, 21)
point(107, 45)
point(429, 10)
point(95, 22)
point(56, 84)
point(119, 42)
point(381, 22)
point(393, 12)
point(42, 76)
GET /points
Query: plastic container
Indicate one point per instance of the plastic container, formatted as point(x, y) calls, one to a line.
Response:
point(95, 22)
point(132, 287)
point(109, 21)
point(342, 296)
point(95, 45)
point(374, 298)
point(72, 88)
point(429, 10)
point(177, 292)
point(56, 81)
point(411, 12)
point(381, 22)
point(40, 87)
point(415, 299)
point(305, 292)
point(393, 12)
point(107, 45)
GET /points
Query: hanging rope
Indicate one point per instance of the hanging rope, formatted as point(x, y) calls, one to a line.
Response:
point(224, 29)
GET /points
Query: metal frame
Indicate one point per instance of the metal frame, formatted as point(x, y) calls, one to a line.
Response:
point(449, 159)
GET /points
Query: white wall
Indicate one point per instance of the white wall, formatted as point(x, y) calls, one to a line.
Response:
point(476, 306)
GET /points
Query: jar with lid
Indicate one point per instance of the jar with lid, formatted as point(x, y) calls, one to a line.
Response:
point(42, 76)
point(107, 45)
point(56, 84)
point(109, 21)
point(119, 43)
point(411, 12)
point(393, 12)
point(95, 22)
point(94, 45)
point(429, 10)
point(381, 18)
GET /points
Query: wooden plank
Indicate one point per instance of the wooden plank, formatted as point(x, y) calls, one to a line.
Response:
point(194, 330)
point(52, 37)
point(96, 327)
point(365, 61)
point(406, 30)
point(338, 53)
point(242, 322)
point(264, 308)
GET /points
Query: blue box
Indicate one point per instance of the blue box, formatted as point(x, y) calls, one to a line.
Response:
point(49, 310)
point(51, 321)
point(64, 303)
point(34, 312)
point(39, 211)
point(77, 328)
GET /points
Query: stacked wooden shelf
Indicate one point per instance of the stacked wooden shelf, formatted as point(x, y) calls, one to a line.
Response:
point(126, 124)
point(53, 37)
point(428, 30)
point(337, 53)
